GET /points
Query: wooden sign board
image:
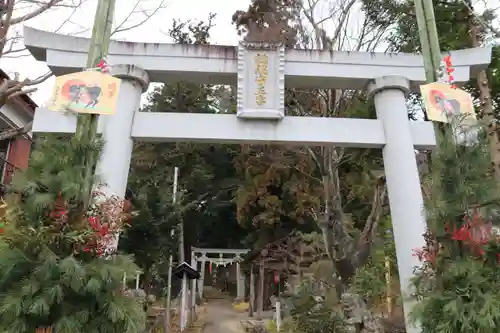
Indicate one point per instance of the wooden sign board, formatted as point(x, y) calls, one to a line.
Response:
point(443, 103)
point(86, 92)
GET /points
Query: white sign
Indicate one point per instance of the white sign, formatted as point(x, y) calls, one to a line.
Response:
point(261, 80)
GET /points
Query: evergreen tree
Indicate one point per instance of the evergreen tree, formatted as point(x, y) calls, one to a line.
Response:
point(55, 268)
point(460, 261)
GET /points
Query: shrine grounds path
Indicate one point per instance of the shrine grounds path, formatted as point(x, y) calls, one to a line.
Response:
point(222, 318)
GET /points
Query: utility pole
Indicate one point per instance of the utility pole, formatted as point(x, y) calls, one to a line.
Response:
point(171, 259)
point(87, 123)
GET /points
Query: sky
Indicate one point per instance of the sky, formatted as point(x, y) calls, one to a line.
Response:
point(79, 21)
point(154, 30)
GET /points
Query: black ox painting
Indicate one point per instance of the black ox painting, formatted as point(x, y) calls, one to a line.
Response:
point(86, 92)
point(444, 103)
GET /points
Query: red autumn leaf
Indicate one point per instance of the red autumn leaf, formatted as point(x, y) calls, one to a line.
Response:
point(462, 234)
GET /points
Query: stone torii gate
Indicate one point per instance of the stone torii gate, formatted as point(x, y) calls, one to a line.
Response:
point(260, 71)
point(219, 258)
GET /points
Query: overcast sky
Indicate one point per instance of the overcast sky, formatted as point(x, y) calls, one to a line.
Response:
point(153, 31)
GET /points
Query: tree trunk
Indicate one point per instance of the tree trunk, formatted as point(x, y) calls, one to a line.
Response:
point(251, 301)
point(487, 116)
point(347, 257)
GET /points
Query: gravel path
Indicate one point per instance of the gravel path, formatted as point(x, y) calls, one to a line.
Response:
point(222, 318)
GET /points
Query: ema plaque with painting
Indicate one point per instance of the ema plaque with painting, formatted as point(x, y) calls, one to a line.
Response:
point(86, 92)
point(444, 103)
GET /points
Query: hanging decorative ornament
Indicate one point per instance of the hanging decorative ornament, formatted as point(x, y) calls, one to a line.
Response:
point(276, 277)
point(448, 66)
point(443, 100)
point(103, 66)
point(2, 226)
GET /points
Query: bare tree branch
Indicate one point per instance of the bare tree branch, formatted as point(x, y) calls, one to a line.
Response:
point(42, 7)
point(14, 14)
point(119, 27)
point(6, 22)
point(147, 15)
point(10, 88)
point(349, 33)
point(70, 16)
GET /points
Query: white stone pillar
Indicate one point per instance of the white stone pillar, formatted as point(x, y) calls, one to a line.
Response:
point(238, 281)
point(192, 310)
point(403, 181)
point(201, 282)
point(114, 165)
point(243, 285)
point(278, 315)
point(251, 298)
point(138, 280)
